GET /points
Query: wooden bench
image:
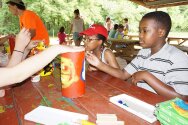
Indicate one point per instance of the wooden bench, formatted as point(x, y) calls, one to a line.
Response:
point(179, 40)
point(123, 48)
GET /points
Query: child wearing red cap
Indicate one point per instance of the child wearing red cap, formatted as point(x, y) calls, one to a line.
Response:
point(96, 35)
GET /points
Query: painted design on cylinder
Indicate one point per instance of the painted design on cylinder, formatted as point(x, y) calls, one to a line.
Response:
point(68, 72)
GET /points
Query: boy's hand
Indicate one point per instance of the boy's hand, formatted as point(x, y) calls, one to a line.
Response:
point(22, 39)
point(139, 76)
point(92, 59)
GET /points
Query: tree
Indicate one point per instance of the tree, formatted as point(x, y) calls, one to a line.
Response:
point(57, 13)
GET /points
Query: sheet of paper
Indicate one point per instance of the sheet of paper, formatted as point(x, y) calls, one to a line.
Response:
point(51, 116)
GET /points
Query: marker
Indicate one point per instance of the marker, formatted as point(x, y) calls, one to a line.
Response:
point(85, 122)
point(121, 102)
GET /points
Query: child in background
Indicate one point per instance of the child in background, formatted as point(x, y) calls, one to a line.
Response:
point(119, 34)
point(113, 31)
point(159, 67)
point(96, 35)
point(126, 26)
point(108, 24)
point(61, 35)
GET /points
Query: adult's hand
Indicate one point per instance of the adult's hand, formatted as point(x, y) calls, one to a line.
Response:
point(32, 44)
point(22, 39)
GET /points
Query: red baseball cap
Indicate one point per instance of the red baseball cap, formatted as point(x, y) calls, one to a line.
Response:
point(95, 29)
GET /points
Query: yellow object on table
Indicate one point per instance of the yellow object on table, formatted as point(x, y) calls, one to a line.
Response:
point(85, 122)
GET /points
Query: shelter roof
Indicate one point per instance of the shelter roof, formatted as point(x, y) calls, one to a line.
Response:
point(160, 3)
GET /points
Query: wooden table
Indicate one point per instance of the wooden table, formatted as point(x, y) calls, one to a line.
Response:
point(99, 87)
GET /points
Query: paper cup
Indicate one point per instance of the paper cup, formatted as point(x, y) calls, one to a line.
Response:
point(73, 74)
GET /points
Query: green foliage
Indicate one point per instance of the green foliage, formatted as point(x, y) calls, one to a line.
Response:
point(57, 13)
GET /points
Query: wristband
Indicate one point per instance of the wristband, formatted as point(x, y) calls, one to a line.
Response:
point(19, 51)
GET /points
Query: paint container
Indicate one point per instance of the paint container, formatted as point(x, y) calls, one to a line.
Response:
point(73, 74)
point(48, 69)
point(11, 44)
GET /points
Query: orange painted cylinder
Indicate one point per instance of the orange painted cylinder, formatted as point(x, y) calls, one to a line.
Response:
point(73, 74)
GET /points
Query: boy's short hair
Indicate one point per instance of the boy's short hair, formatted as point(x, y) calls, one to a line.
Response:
point(162, 18)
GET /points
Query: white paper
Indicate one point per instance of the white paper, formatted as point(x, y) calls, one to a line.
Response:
point(51, 116)
point(135, 106)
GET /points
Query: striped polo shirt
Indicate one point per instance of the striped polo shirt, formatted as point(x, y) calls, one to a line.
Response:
point(169, 64)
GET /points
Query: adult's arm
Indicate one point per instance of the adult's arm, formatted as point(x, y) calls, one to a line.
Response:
point(22, 40)
point(32, 44)
point(28, 67)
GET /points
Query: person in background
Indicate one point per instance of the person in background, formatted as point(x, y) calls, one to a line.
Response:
point(77, 26)
point(159, 67)
point(19, 69)
point(96, 35)
point(113, 31)
point(126, 26)
point(108, 24)
point(119, 34)
point(29, 20)
point(61, 35)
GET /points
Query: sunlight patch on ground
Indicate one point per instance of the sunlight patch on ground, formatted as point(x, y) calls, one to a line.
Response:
point(54, 41)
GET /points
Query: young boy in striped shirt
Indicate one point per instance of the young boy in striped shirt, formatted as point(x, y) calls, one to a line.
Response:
point(158, 67)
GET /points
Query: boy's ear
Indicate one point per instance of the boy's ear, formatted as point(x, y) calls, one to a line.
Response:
point(161, 32)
